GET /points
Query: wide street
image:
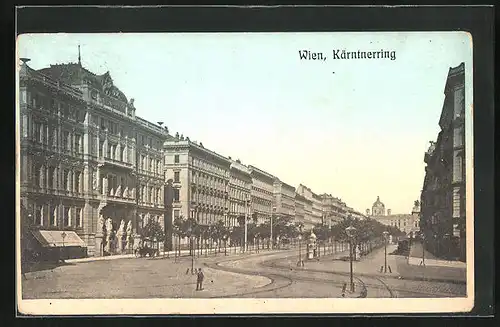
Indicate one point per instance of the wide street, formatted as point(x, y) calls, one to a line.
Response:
point(269, 274)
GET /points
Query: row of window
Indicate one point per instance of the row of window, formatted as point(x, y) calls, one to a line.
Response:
point(263, 191)
point(120, 130)
point(398, 223)
point(41, 102)
point(208, 180)
point(151, 194)
point(47, 215)
point(48, 134)
point(207, 198)
point(239, 182)
point(238, 194)
point(117, 186)
point(238, 207)
point(206, 165)
point(52, 177)
point(151, 164)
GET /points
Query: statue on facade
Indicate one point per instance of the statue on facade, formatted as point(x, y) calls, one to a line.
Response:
point(177, 135)
point(94, 180)
point(120, 236)
point(100, 225)
point(129, 239)
point(131, 103)
point(110, 235)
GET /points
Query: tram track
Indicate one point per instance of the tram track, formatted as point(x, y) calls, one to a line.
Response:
point(279, 279)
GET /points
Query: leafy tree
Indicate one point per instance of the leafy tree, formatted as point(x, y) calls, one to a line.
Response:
point(153, 232)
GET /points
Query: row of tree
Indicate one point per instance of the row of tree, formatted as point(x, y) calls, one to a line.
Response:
point(284, 228)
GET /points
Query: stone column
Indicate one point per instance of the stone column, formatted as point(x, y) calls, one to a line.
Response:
point(105, 185)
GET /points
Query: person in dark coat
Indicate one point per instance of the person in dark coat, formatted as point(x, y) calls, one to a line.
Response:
point(199, 280)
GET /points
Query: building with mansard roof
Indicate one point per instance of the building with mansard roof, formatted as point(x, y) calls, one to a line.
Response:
point(86, 157)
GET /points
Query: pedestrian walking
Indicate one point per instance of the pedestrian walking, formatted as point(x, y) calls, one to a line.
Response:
point(199, 280)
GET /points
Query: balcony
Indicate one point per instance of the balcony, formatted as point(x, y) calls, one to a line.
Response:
point(118, 199)
point(114, 163)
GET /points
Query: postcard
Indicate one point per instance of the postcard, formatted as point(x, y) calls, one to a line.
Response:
point(244, 173)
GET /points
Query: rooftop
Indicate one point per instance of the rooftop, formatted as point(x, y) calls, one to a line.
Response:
point(76, 74)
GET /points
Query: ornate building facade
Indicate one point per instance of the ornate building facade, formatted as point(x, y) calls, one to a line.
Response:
point(303, 208)
point(240, 187)
point(378, 208)
point(316, 211)
point(284, 198)
point(79, 152)
point(407, 223)
point(200, 181)
point(334, 209)
point(262, 202)
point(443, 192)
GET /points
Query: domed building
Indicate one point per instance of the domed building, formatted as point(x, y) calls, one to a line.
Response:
point(407, 223)
point(378, 208)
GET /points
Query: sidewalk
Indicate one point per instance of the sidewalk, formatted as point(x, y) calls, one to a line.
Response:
point(230, 251)
point(429, 259)
point(397, 267)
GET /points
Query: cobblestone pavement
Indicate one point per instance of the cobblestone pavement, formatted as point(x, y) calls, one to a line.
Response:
point(136, 278)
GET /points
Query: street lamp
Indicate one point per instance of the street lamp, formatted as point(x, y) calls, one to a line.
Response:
point(448, 245)
point(190, 235)
point(225, 244)
point(272, 213)
point(423, 249)
point(63, 235)
point(386, 236)
point(350, 231)
point(299, 263)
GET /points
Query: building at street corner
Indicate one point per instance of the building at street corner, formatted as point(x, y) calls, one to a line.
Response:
point(262, 202)
point(91, 170)
point(443, 192)
point(200, 181)
point(407, 223)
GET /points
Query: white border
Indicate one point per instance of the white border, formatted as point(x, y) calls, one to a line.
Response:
point(265, 306)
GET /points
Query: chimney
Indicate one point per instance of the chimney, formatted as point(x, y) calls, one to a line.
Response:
point(388, 212)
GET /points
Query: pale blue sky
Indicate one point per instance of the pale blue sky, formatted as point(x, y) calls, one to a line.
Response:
point(356, 134)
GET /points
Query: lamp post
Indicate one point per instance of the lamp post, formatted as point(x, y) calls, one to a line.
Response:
point(247, 204)
point(272, 214)
point(386, 236)
point(63, 235)
point(350, 231)
point(299, 263)
point(447, 244)
point(190, 235)
point(225, 244)
point(423, 249)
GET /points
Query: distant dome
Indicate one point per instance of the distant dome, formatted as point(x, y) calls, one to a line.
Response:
point(378, 208)
point(378, 202)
